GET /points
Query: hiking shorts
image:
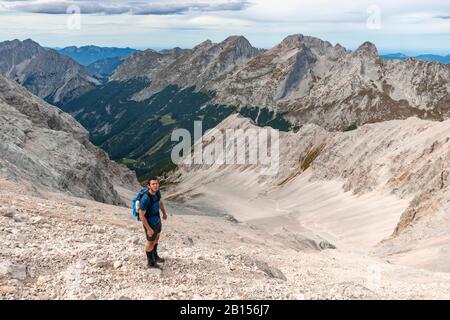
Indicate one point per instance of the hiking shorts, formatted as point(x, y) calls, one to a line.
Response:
point(156, 230)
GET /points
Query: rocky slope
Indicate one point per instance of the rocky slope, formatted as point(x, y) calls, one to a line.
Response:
point(383, 188)
point(41, 146)
point(45, 72)
point(53, 247)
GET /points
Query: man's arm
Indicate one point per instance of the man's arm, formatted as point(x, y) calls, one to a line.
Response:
point(163, 209)
point(145, 223)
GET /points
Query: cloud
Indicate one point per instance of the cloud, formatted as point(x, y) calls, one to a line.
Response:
point(119, 7)
point(413, 26)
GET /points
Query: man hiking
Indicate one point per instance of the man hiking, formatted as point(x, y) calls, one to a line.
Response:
point(149, 207)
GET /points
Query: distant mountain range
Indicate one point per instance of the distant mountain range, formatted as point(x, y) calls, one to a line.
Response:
point(424, 57)
point(100, 61)
point(87, 55)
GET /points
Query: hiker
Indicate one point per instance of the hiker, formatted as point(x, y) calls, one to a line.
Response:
point(149, 207)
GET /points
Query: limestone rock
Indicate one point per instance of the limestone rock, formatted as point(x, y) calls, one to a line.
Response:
point(15, 271)
point(42, 145)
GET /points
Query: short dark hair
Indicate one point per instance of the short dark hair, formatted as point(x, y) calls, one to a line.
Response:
point(151, 179)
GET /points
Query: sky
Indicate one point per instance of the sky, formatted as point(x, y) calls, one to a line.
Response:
point(410, 27)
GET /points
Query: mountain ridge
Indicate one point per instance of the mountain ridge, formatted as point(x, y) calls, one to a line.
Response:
point(294, 75)
point(46, 73)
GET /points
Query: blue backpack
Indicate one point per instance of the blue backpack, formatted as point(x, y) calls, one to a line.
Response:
point(138, 197)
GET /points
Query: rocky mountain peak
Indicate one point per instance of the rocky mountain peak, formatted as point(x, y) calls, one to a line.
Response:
point(173, 50)
point(367, 49)
point(31, 42)
point(291, 41)
point(205, 44)
point(340, 48)
point(300, 40)
point(236, 47)
point(12, 42)
point(147, 52)
point(25, 47)
point(235, 40)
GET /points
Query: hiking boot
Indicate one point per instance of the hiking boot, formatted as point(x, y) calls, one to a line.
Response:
point(157, 257)
point(151, 262)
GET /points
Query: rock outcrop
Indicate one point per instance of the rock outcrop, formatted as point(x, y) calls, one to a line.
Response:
point(42, 146)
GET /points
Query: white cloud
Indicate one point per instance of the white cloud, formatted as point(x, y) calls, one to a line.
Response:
point(112, 7)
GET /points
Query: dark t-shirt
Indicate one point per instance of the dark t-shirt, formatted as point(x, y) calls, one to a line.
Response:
point(152, 213)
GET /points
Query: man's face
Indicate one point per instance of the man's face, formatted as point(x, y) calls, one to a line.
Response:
point(154, 185)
